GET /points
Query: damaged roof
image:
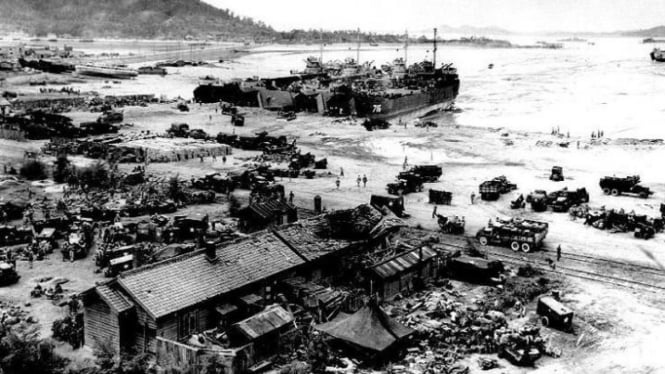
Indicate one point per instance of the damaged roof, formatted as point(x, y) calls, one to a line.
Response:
point(270, 319)
point(402, 262)
point(306, 238)
point(166, 287)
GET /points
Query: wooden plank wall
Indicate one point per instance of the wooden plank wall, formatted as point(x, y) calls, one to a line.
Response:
point(100, 324)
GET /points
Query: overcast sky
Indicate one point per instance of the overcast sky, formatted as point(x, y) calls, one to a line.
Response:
point(394, 15)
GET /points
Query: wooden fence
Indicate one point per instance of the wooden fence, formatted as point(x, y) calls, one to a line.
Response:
point(188, 359)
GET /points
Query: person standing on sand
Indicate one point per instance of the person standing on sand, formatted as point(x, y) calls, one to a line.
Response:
point(473, 197)
point(364, 180)
point(337, 183)
point(341, 172)
point(558, 253)
point(358, 180)
point(291, 195)
point(434, 212)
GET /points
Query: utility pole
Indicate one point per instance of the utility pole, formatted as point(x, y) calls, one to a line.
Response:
point(358, 48)
point(434, 54)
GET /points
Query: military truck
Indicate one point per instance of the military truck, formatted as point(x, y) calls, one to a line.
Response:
point(539, 200)
point(178, 130)
point(407, 182)
point(628, 185)
point(492, 189)
point(428, 173)
point(119, 264)
point(451, 225)
point(215, 182)
point(564, 199)
point(238, 120)
point(104, 256)
point(557, 174)
point(518, 234)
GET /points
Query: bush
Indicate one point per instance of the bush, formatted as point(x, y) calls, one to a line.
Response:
point(67, 330)
point(33, 170)
point(62, 169)
point(175, 191)
point(26, 353)
point(95, 175)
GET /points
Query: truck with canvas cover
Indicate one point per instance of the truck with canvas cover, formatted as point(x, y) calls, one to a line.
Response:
point(628, 185)
point(553, 313)
point(518, 234)
point(492, 189)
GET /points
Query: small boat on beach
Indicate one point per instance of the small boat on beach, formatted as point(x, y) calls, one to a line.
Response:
point(110, 71)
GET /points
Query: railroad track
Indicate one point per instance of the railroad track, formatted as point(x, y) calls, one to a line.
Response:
point(578, 273)
point(540, 263)
point(611, 262)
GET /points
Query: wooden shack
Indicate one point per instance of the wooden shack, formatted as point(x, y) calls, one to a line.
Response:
point(401, 273)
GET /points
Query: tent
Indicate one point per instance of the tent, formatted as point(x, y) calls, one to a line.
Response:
point(369, 328)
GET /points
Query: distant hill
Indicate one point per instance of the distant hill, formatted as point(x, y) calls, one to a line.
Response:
point(129, 19)
point(658, 31)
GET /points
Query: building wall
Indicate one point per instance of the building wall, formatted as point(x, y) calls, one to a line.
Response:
point(100, 324)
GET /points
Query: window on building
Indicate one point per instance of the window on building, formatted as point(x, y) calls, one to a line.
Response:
point(187, 324)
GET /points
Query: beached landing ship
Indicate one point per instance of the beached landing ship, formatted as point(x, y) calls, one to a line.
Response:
point(422, 89)
point(119, 72)
point(408, 93)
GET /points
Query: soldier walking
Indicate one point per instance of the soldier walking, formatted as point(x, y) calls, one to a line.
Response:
point(434, 212)
point(558, 253)
point(337, 182)
point(473, 197)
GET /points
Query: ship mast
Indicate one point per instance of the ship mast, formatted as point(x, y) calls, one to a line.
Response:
point(358, 48)
point(406, 47)
point(434, 54)
point(321, 47)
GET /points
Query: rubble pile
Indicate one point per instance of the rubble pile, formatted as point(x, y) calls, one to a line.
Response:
point(353, 223)
point(443, 322)
point(14, 316)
